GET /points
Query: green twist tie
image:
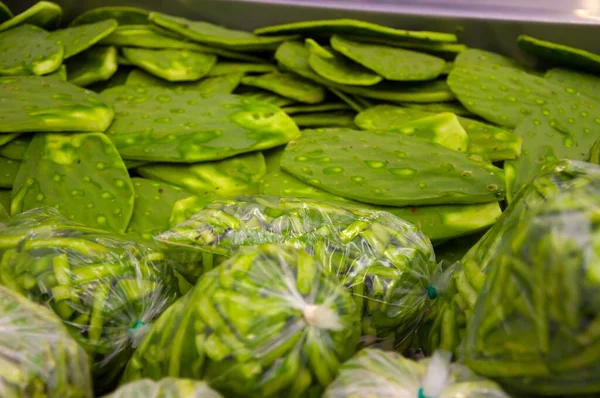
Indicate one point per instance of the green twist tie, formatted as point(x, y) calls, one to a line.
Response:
point(422, 394)
point(432, 292)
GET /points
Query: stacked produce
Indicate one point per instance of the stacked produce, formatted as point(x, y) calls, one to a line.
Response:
point(106, 288)
point(268, 322)
point(354, 151)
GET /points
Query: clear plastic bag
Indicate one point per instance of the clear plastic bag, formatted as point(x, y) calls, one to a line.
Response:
point(105, 287)
point(38, 357)
point(535, 326)
point(266, 323)
point(387, 262)
point(169, 387)
point(373, 373)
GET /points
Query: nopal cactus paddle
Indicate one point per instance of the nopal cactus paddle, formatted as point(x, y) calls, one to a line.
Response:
point(390, 62)
point(324, 107)
point(29, 103)
point(123, 15)
point(8, 171)
point(560, 55)
point(390, 169)
point(288, 85)
point(80, 174)
point(6, 138)
point(168, 387)
point(158, 124)
point(44, 14)
point(95, 65)
point(586, 83)
point(238, 175)
point(29, 50)
point(223, 84)
point(15, 148)
point(228, 67)
point(171, 65)
point(264, 96)
point(80, 38)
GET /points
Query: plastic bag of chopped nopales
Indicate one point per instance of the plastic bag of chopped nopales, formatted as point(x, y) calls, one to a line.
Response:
point(105, 287)
point(373, 373)
point(168, 387)
point(38, 357)
point(266, 323)
point(386, 262)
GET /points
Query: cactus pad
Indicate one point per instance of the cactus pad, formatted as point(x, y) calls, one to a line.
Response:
point(28, 50)
point(172, 65)
point(325, 119)
point(8, 171)
point(234, 176)
point(91, 66)
point(154, 201)
point(215, 35)
point(159, 124)
point(342, 70)
point(322, 51)
point(390, 62)
point(390, 169)
point(437, 107)
point(560, 55)
point(324, 107)
point(43, 14)
point(186, 208)
point(223, 84)
point(228, 67)
point(440, 49)
point(586, 83)
point(6, 138)
point(264, 96)
point(355, 27)
point(123, 15)
point(60, 73)
point(78, 39)
point(15, 149)
point(30, 103)
point(81, 175)
point(350, 100)
point(288, 85)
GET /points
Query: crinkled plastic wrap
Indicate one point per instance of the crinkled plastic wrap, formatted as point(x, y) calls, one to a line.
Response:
point(38, 357)
point(105, 287)
point(266, 323)
point(169, 387)
point(536, 323)
point(387, 262)
point(373, 373)
point(446, 329)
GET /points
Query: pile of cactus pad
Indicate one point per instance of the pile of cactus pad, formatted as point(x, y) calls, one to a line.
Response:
point(322, 208)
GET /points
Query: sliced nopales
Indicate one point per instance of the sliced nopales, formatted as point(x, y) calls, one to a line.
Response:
point(29, 50)
point(158, 124)
point(390, 169)
point(30, 103)
point(80, 38)
point(92, 66)
point(44, 14)
point(80, 174)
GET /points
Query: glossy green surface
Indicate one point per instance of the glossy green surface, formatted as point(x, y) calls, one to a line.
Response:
point(560, 55)
point(29, 50)
point(78, 39)
point(171, 65)
point(123, 15)
point(44, 14)
point(288, 85)
point(92, 66)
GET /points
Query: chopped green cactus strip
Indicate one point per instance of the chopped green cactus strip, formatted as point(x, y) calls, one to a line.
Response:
point(186, 208)
point(228, 68)
point(438, 223)
point(325, 119)
point(390, 62)
point(168, 387)
point(5, 198)
point(444, 50)
point(91, 66)
point(586, 83)
point(154, 201)
point(5, 12)
point(39, 357)
point(325, 107)
point(172, 65)
point(123, 15)
point(29, 50)
point(30, 103)
point(382, 168)
point(337, 68)
point(594, 153)
point(158, 124)
point(288, 85)
point(44, 14)
point(293, 56)
point(453, 107)
point(350, 100)
point(82, 175)
point(15, 149)
point(355, 27)
point(560, 55)
point(6, 138)
point(264, 96)
point(238, 175)
point(215, 35)
point(224, 84)
point(8, 171)
point(80, 38)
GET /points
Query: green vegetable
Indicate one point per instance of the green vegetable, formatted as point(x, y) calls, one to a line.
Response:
point(323, 107)
point(288, 85)
point(44, 14)
point(168, 387)
point(238, 175)
point(79, 38)
point(92, 66)
point(118, 79)
point(594, 153)
point(186, 208)
point(560, 55)
point(268, 318)
point(228, 67)
point(223, 84)
point(350, 100)
point(60, 73)
point(8, 171)
point(264, 96)
point(7, 138)
point(123, 15)
point(355, 27)
point(81, 175)
point(453, 107)
point(106, 288)
point(28, 50)
point(381, 168)
point(325, 119)
point(172, 65)
point(390, 62)
point(30, 103)
point(214, 35)
point(39, 358)
point(586, 83)
point(375, 373)
point(441, 49)
point(158, 124)
point(15, 148)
